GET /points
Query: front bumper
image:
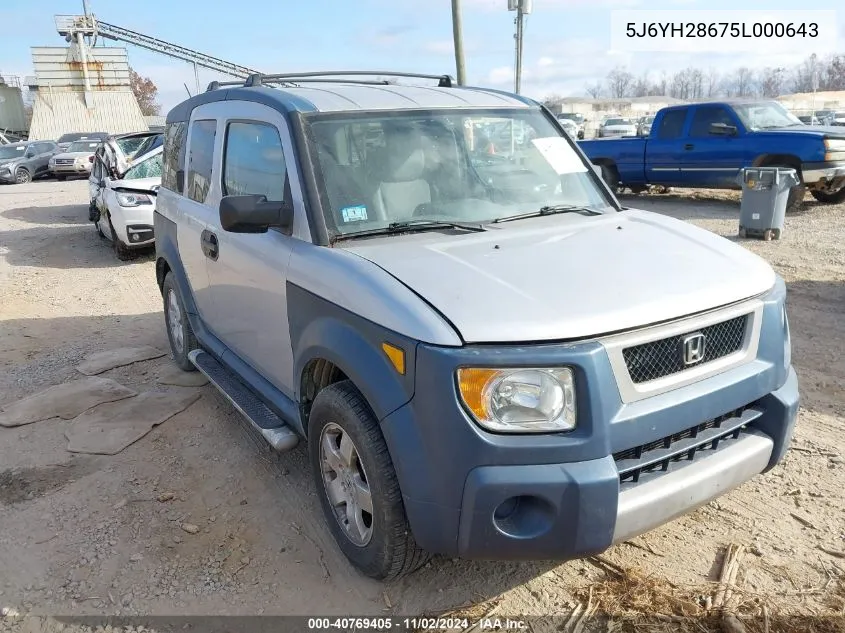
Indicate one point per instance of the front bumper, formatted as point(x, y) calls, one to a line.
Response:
point(475, 494)
point(823, 174)
point(70, 170)
point(7, 176)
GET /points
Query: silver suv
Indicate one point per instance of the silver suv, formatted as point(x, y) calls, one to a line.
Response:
point(486, 355)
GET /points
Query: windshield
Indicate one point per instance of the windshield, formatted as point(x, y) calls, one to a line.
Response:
point(617, 122)
point(570, 116)
point(133, 145)
point(12, 151)
point(148, 168)
point(78, 136)
point(767, 115)
point(83, 146)
point(458, 166)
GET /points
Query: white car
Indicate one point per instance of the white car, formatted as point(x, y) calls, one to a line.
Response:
point(618, 127)
point(570, 127)
point(123, 208)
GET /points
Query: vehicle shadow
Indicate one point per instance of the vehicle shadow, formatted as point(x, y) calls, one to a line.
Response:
point(61, 214)
point(264, 497)
point(815, 310)
point(72, 243)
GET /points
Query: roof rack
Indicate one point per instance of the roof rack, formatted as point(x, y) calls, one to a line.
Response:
point(260, 79)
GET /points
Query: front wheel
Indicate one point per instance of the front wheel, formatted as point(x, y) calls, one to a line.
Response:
point(22, 176)
point(610, 175)
point(121, 250)
point(61, 178)
point(357, 485)
point(830, 197)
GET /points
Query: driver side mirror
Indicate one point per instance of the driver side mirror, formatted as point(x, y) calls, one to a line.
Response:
point(254, 214)
point(722, 129)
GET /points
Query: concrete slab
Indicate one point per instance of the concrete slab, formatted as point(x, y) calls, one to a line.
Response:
point(65, 401)
point(110, 428)
point(103, 361)
point(172, 375)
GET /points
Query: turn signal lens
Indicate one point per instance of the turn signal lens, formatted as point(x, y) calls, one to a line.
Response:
point(396, 356)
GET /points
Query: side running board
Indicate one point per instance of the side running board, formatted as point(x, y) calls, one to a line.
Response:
point(280, 436)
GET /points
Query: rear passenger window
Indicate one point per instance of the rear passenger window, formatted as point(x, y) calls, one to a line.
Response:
point(200, 157)
point(704, 117)
point(672, 124)
point(253, 161)
point(175, 137)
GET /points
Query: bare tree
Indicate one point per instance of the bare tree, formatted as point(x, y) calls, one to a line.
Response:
point(595, 90)
point(696, 83)
point(619, 82)
point(642, 87)
point(552, 101)
point(834, 74)
point(711, 83)
point(772, 81)
point(741, 83)
point(803, 76)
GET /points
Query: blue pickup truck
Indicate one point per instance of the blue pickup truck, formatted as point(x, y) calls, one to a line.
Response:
point(706, 144)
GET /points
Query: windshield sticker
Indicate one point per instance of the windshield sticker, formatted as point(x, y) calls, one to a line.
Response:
point(354, 214)
point(558, 153)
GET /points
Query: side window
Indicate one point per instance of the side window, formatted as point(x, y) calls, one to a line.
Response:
point(253, 161)
point(704, 117)
point(200, 159)
point(175, 136)
point(672, 124)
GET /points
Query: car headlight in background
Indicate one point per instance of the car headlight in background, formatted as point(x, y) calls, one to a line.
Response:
point(834, 149)
point(132, 199)
point(520, 400)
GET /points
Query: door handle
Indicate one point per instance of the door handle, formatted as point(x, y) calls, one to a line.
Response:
point(210, 246)
point(689, 146)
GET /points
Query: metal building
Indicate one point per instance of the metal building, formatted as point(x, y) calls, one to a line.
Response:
point(12, 113)
point(82, 89)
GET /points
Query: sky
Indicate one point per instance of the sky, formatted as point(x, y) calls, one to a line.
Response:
point(567, 42)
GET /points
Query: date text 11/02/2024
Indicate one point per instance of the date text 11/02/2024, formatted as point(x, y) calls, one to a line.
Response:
point(418, 624)
point(722, 29)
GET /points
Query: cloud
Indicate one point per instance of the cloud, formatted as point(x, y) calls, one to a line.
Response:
point(392, 35)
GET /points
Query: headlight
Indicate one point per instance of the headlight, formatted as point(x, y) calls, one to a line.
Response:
point(519, 400)
point(835, 149)
point(132, 199)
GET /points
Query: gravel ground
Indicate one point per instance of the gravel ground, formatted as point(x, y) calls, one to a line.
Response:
point(87, 534)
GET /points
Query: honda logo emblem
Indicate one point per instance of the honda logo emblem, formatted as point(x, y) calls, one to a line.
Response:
point(692, 347)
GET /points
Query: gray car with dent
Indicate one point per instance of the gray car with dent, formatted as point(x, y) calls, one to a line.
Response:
point(25, 161)
point(486, 355)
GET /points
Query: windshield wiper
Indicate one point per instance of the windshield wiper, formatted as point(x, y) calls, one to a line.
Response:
point(550, 210)
point(413, 225)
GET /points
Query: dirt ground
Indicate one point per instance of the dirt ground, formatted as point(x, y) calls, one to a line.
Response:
point(86, 534)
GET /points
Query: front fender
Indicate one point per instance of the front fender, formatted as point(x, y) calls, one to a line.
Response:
point(320, 329)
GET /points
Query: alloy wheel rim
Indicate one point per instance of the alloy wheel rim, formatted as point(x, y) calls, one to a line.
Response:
point(346, 485)
point(174, 319)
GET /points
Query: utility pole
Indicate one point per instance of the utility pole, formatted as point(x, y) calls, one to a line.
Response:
point(457, 33)
point(522, 8)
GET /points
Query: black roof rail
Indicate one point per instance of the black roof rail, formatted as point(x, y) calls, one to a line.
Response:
point(216, 85)
point(443, 81)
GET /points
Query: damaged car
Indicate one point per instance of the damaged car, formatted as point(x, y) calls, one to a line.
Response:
point(123, 194)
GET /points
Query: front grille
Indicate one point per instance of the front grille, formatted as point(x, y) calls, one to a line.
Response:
point(665, 357)
point(64, 161)
point(698, 441)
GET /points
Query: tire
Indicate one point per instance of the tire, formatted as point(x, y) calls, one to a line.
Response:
point(22, 176)
point(121, 250)
point(384, 549)
point(637, 189)
point(610, 175)
point(61, 178)
point(795, 201)
point(179, 331)
point(826, 197)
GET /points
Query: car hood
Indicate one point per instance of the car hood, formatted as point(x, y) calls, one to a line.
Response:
point(73, 155)
point(6, 161)
point(618, 128)
point(829, 131)
point(569, 277)
point(149, 185)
